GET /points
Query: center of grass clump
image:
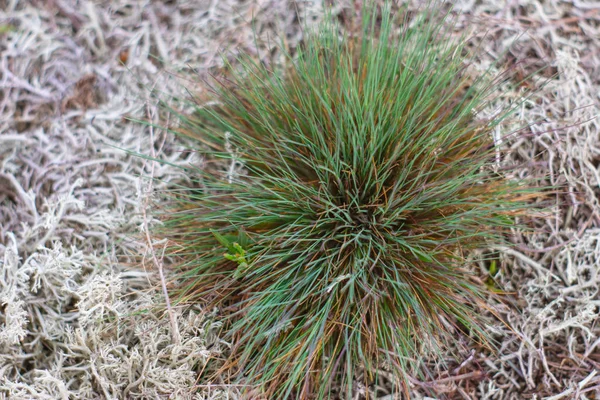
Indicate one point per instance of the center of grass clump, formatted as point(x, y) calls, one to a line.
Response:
point(368, 179)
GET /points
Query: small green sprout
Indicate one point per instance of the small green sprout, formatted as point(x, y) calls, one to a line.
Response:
point(239, 257)
point(236, 253)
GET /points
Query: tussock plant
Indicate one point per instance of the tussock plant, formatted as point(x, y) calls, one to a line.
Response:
point(356, 179)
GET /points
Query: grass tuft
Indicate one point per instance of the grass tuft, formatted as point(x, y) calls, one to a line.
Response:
point(359, 178)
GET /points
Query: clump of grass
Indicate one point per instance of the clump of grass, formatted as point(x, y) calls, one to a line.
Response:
point(368, 178)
